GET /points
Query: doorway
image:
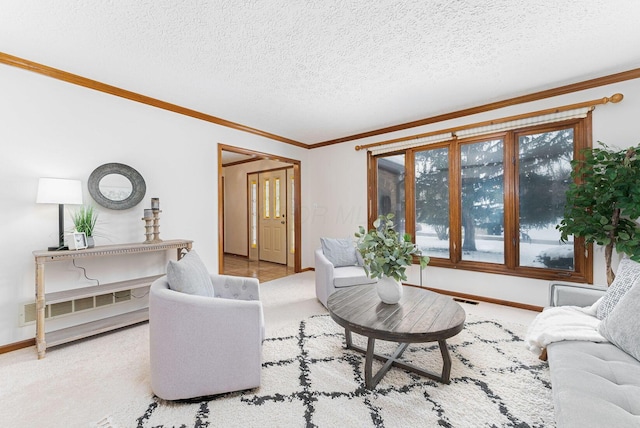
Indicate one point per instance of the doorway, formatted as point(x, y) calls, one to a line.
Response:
point(259, 209)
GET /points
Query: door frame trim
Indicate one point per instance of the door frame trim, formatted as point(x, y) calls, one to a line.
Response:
point(296, 164)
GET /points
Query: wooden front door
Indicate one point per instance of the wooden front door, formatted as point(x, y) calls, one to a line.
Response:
point(273, 216)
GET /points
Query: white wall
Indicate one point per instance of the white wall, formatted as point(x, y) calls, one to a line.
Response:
point(337, 203)
point(338, 191)
point(51, 128)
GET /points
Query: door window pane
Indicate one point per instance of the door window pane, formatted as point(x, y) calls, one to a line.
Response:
point(254, 214)
point(276, 198)
point(391, 189)
point(266, 199)
point(482, 201)
point(432, 202)
point(544, 177)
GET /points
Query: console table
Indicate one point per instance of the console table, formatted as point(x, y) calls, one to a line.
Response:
point(80, 331)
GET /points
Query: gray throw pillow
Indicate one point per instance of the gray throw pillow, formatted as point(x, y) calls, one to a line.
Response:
point(621, 326)
point(627, 275)
point(340, 252)
point(190, 275)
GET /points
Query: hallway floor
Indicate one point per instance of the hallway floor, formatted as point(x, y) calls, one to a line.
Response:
point(264, 271)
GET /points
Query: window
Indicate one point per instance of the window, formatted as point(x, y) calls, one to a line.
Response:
point(544, 173)
point(489, 202)
point(482, 200)
point(391, 188)
point(432, 202)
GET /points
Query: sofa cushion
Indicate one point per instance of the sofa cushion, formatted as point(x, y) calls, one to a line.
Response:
point(351, 275)
point(620, 327)
point(594, 385)
point(340, 252)
point(627, 275)
point(190, 275)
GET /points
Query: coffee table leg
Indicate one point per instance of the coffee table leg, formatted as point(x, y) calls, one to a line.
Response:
point(446, 361)
point(347, 337)
point(370, 381)
point(368, 365)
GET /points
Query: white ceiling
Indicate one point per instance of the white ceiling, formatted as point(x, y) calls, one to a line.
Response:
point(317, 70)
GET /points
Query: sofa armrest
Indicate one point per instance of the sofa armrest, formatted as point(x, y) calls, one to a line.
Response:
point(324, 276)
point(571, 294)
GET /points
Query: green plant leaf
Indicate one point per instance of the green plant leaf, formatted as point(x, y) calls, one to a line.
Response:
point(385, 251)
point(85, 220)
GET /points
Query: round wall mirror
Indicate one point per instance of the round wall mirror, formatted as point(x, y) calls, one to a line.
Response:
point(116, 186)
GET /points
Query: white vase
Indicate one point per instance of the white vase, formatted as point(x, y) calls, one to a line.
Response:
point(389, 290)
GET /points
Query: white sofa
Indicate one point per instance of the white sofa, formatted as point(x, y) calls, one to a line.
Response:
point(593, 384)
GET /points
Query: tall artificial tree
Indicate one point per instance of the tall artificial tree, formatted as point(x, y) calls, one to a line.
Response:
point(603, 202)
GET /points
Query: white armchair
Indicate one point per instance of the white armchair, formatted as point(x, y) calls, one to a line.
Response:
point(330, 278)
point(202, 346)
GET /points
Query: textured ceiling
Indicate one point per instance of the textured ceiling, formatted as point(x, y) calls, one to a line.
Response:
point(318, 70)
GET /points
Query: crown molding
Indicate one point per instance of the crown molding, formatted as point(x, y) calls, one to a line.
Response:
point(548, 93)
point(133, 96)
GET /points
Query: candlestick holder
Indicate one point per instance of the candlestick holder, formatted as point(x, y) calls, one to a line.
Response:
point(148, 230)
point(156, 226)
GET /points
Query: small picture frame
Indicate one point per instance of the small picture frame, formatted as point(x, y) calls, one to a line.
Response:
point(76, 240)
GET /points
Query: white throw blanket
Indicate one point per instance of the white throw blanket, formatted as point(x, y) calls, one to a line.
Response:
point(563, 323)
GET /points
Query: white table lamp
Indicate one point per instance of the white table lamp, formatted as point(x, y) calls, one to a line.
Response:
point(59, 191)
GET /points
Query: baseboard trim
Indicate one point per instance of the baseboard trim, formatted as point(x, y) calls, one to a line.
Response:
point(478, 298)
point(483, 299)
point(242, 256)
point(32, 342)
point(17, 345)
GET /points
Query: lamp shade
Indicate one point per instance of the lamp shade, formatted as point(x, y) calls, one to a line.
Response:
point(59, 191)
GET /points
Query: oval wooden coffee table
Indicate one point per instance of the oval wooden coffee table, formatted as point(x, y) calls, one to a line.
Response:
point(420, 316)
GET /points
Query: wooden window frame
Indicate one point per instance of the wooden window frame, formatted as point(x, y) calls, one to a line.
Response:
point(583, 255)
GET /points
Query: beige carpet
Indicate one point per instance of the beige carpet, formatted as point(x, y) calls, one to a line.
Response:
point(107, 378)
point(309, 379)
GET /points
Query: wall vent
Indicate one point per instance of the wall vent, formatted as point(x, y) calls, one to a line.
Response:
point(104, 300)
point(58, 309)
point(61, 308)
point(469, 302)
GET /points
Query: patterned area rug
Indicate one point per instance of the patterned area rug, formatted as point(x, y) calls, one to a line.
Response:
point(310, 379)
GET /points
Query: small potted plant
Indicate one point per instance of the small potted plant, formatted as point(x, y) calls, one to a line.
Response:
point(386, 255)
point(84, 220)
